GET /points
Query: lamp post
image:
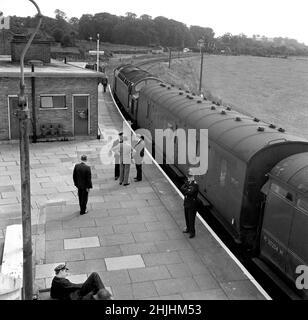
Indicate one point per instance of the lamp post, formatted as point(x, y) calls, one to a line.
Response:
point(201, 45)
point(97, 54)
point(23, 116)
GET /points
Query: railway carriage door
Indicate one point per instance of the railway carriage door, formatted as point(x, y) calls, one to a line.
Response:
point(81, 115)
point(276, 226)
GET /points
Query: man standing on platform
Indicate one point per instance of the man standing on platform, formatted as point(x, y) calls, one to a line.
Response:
point(116, 152)
point(126, 154)
point(83, 182)
point(190, 191)
point(138, 157)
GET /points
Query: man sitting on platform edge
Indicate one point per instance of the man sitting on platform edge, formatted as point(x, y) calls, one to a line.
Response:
point(63, 289)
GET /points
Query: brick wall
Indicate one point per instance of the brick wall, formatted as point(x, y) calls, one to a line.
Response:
point(37, 51)
point(5, 38)
point(67, 86)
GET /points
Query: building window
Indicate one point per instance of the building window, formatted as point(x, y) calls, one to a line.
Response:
point(53, 101)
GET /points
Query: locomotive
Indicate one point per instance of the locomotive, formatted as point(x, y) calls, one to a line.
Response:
point(257, 178)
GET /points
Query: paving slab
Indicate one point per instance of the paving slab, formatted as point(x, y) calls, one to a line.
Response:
point(124, 262)
point(149, 274)
point(86, 242)
point(46, 270)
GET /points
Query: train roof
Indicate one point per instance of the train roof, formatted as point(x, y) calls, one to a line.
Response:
point(131, 74)
point(241, 134)
point(293, 171)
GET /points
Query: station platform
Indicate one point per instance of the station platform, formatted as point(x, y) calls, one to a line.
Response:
point(132, 236)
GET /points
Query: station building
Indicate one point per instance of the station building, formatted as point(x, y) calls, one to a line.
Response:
point(63, 99)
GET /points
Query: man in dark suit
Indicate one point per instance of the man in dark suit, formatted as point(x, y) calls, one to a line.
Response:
point(190, 191)
point(83, 182)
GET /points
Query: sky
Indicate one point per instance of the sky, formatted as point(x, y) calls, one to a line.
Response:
point(271, 18)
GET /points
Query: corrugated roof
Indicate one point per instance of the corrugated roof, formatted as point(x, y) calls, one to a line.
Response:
point(232, 130)
point(294, 171)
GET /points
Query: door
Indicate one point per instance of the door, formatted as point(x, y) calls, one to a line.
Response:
point(277, 221)
point(81, 115)
point(13, 119)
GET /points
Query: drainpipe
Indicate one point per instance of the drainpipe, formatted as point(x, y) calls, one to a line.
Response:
point(34, 134)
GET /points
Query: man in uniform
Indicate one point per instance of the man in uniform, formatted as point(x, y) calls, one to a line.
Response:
point(190, 191)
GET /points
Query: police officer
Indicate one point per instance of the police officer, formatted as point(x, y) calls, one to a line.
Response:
point(190, 191)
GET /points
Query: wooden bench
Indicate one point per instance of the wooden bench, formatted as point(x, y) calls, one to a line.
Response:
point(12, 261)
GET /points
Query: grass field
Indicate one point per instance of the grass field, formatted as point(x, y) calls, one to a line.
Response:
point(274, 90)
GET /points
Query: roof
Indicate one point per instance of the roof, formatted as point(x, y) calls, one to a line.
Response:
point(132, 75)
point(67, 50)
point(242, 135)
point(53, 69)
point(293, 171)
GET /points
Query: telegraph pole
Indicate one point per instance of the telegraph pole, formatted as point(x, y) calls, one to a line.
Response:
point(201, 45)
point(169, 57)
point(97, 53)
point(23, 116)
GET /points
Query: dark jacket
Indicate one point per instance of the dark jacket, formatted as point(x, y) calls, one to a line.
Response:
point(82, 176)
point(190, 191)
point(63, 289)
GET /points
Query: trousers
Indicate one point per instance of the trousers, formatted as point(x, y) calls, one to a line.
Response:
point(83, 199)
point(139, 171)
point(124, 173)
point(190, 217)
point(117, 170)
point(89, 287)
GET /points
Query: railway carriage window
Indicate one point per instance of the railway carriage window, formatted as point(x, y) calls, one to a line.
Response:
point(223, 173)
point(303, 204)
point(281, 191)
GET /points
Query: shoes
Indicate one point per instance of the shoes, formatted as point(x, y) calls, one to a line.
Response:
point(82, 213)
point(185, 230)
point(126, 184)
point(116, 178)
point(136, 180)
point(192, 235)
point(120, 183)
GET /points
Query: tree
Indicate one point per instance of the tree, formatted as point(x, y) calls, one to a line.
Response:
point(58, 35)
point(73, 21)
point(131, 15)
point(60, 15)
point(145, 17)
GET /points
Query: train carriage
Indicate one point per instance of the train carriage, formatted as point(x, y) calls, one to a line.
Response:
point(283, 240)
point(242, 150)
point(128, 80)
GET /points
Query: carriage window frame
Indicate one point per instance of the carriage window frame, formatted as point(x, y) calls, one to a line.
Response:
point(299, 204)
point(281, 192)
point(223, 172)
